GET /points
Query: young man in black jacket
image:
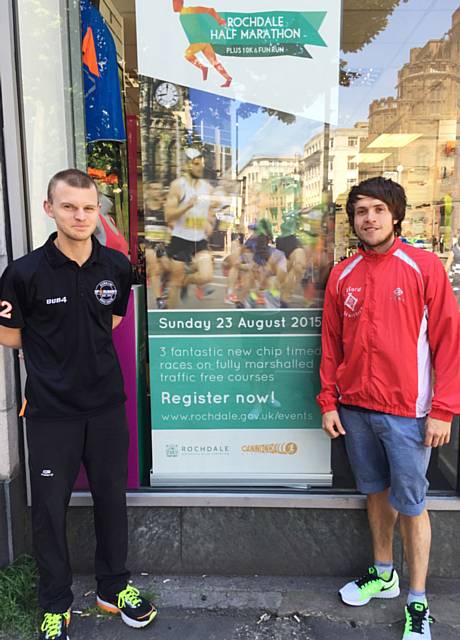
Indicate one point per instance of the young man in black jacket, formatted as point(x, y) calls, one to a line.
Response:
point(60, 303)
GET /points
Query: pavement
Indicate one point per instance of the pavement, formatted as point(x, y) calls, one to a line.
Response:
point(261, 608)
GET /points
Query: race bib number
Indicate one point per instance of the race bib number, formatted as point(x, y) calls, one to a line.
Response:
point(5, 309)
point(195, 223)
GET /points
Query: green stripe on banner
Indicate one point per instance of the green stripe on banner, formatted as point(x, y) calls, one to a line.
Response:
point(274, 33)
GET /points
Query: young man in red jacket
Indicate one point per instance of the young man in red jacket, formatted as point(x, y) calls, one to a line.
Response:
point(390, 319)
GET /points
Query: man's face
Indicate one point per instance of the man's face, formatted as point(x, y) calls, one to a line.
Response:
point(196, 167)
point(374, 224)
point(74, 210)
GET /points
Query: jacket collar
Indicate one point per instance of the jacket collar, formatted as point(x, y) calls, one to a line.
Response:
point(373, 255)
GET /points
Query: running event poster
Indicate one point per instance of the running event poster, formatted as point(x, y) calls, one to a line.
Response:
point(236, 259)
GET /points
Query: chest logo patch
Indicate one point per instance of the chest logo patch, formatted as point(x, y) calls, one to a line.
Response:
point(351, 301)
point(106, 292)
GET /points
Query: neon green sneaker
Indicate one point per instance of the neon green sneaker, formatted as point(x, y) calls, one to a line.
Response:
point(418, 622)
point(361, 591)
point(54, 626)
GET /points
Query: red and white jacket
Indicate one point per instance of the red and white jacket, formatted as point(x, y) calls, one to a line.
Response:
point(388, 321)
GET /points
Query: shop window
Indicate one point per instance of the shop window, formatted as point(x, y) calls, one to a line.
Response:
point(241, 386)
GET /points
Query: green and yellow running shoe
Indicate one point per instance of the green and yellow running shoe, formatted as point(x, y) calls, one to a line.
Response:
point(418, 622)
point(361, 591)
point(54, 626)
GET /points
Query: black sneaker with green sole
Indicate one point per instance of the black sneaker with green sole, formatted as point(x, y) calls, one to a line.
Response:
point(135, 610)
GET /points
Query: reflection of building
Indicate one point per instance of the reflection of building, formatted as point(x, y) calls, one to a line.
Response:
point(270, 188)
point(414, 134)
point(167, 129)
point(218, 159)
point(342, 174)
point(163, 132)
point(344, 146)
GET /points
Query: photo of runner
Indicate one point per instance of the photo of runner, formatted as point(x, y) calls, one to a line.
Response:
point(189, 213)
point(221, 233)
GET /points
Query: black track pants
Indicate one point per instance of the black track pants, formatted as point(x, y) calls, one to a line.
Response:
point(56, 449)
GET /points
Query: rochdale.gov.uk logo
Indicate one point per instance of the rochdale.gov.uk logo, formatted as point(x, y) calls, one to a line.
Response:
point(106, 292)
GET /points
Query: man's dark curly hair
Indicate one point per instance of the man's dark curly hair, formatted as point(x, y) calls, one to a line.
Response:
point(389, 192)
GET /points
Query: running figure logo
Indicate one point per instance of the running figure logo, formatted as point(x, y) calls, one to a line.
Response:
point(202, 47)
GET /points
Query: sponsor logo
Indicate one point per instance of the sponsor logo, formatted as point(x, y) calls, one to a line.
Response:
point(47, 473)
point(5, 309)
point(398, 294)
point(351, 301)
point(172, 451)
point(175, 450)
point(106, 292)
point(283, 448)
point(57, 300)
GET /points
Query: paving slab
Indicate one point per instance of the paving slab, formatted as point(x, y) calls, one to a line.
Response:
point(260, 608)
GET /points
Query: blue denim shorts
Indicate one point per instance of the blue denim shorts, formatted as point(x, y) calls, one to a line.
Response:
point(388, 451)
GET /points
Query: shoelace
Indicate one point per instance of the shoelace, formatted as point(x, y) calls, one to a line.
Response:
point(416, 618)
point(129, 596)
point(52, 624)
point(371, 576)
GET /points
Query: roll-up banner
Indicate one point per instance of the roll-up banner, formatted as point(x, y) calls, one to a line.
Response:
point(237, 254)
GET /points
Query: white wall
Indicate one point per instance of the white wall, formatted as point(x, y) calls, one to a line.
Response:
point(44, 65)
point(9, 456)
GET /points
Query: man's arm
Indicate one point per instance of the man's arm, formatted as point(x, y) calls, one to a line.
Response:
point(174, 210)
point(332, 356)
point(10, 337)
point(116, 321)
point(449, 261)
point(12, 303)
point(444, 341)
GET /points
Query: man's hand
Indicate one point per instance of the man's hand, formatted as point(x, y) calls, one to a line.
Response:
point(332, 425)
point(437, 432)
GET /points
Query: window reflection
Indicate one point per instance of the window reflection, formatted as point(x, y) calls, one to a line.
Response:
point(287, 177)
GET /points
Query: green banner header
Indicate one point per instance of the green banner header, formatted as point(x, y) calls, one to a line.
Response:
point(274, 33)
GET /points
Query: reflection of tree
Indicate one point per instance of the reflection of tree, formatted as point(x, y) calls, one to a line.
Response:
point(363, 20)
point(219, 111)
point(346, 76)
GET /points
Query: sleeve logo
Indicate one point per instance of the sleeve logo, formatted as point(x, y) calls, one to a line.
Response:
point(5, 309)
